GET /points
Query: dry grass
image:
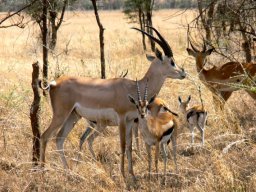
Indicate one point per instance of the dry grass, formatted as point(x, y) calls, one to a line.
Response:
point(205, 168)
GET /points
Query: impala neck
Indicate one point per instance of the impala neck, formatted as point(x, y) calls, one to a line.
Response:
point(155, 81)
point(200, 67)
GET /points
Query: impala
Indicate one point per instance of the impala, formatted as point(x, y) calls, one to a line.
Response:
point(75, 97)
point(219, 80)
point(195, 116)
point(157, 125)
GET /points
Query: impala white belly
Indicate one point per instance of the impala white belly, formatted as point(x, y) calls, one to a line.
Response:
point(106, 114)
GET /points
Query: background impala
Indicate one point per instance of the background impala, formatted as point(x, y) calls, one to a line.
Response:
point(221, 80)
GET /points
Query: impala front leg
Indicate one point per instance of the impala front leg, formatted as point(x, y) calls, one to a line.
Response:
point(122, 132)
point(129, 124)
point(148, 148)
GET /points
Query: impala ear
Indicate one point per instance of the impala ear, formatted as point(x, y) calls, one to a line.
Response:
point(179, 99)
point(190, 52)
point(159, 54)
point(209, 51)
point(189, 98)
point(150, 57)
point(152, 99)
point(131, 99)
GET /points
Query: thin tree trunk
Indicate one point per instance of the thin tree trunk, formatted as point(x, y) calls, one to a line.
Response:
point(44, 40)
point(34, 115)
point(206, 21)
point(55, 26)
point(142, 27)
point(101, 37)
point(246, 44)
point(53, 39)
point(149, 21)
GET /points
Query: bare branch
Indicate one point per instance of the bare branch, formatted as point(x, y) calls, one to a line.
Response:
point(62, 14)
point(9, 15)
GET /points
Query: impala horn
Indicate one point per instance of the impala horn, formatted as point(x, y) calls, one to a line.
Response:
point(162, 42)
point(146, 91)
point(138, 91)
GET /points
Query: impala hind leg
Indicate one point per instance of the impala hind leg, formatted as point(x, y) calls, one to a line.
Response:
point(63, 133)
point(57, 121)
point(165, 160)
point(84, 137)
point(191, 128)
point(87, 132)
point(201, 129)
point(96, 132)
point(156, 158)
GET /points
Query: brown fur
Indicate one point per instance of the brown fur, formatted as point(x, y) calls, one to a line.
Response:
point(217, 79)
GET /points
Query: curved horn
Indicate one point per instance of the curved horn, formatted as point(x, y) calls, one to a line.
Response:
point(138, 90)
point(146, 91)
point(162, 45)
point(167, 48)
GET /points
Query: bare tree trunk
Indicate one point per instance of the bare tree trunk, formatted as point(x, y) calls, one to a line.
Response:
point(207, 21)
point(101, 36)
point(53, 39)
point(34, 115)
point(44, 40)
point(142, 27)
point(149, 10)
point(55, 26)
point(246, 44)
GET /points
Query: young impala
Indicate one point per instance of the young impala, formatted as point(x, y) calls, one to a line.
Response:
point(195, 116)
point(219, 80)
point(76, 97)
point(157, 125)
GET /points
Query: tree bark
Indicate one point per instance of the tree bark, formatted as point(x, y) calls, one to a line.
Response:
point(34, 115)
point(55, 26)
point(207, 21)
point(142, 27)
point(53, 39)
point(101, 37)
point(45, 44)
point(149, 9)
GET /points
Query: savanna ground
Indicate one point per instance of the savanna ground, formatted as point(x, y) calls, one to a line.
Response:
point(208, 168)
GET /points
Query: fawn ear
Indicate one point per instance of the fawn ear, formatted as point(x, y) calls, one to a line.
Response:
point(209, 51)
point(189, 98)
point(152, 99)
point(179, 99)
point(131, 99)
point(190, 52)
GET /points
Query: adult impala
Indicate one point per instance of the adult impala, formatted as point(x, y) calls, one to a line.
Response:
point(73, 97)
point(219, 80)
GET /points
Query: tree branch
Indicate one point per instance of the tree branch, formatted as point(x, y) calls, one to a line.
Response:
point(9, 15)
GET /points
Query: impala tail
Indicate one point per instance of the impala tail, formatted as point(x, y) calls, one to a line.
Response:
point(47, 87)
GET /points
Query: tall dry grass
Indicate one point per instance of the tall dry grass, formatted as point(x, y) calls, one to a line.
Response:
point(227, 162)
